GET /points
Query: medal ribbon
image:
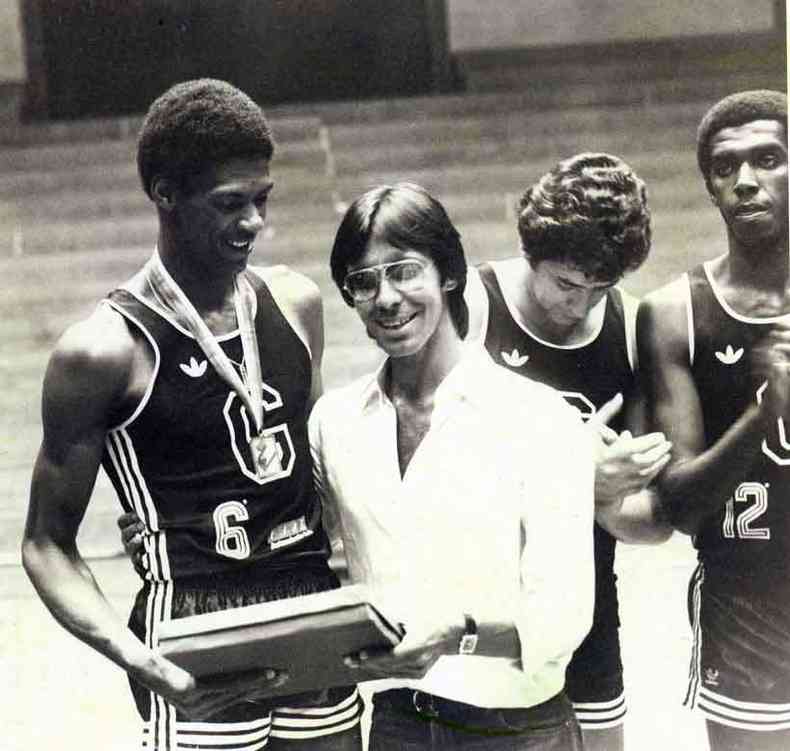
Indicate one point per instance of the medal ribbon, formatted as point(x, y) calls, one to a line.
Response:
point(173, 300)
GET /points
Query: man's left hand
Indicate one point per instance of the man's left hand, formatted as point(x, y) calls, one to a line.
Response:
point(421, 647)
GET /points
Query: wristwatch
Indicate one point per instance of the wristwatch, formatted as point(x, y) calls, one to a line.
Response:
point(468, 643)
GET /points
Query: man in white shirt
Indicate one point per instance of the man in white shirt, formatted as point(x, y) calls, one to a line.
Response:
point(463, 495)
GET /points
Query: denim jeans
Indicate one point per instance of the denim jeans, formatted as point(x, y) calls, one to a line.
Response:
point(403, 721)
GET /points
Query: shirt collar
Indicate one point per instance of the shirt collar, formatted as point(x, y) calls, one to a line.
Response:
point(462, 383)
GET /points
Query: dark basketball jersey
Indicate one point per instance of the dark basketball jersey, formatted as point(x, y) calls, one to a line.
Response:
point(588, 376)
point(750, 536)
point(183, 460)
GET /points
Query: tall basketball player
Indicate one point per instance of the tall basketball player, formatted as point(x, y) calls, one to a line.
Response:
point(191, 385)
point(716, 351)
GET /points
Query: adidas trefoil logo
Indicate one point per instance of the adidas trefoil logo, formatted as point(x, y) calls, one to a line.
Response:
point(195, 369)
point(514, 358)
point(730, 356)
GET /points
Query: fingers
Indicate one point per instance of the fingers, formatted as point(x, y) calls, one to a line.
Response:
point(648, 473)
point(607, 411)
point(627, 444)
point(605, 433)
point(653, 454)
point(414, 664)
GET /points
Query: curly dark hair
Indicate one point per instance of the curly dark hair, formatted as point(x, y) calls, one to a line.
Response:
point(737, 109)
point(198, 123)
point(589, 211)
point(406, 216)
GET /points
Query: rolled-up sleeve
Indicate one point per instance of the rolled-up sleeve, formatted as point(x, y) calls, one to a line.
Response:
point(557, 565)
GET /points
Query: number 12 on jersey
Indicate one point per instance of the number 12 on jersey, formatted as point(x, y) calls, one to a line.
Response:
point(741, 527)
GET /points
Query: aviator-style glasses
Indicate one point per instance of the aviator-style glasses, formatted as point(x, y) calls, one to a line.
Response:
point(405, 276)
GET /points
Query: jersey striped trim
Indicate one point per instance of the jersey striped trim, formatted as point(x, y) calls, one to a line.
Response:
point(754, 716)
point(695, 666)
point(157, 361)
point(594, 715)
point(300, 723)
point(136, 497)
point(728, 309)
point(161, 732)
point(228, 736)
point(689, 318)
point(630, 307)
point(598, 312)
point(744, 715)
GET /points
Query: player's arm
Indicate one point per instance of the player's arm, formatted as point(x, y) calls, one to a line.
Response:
point(698, 480)
point(300, 301)
point(86, 378)
point(627, 505)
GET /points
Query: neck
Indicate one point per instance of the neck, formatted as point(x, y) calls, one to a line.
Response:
point(764, 267)
point(536, 319)
point(208, 293)
point(415, 378)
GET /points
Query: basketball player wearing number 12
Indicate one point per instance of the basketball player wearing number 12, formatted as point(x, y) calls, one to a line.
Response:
point(715, 346)
point(191, 385)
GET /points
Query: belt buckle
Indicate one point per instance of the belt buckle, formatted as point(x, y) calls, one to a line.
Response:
point(429, 710)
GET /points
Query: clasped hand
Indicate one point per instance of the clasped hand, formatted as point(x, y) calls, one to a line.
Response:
point(624, 464)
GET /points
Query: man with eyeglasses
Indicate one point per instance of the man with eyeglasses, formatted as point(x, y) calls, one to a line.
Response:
point(451, 479)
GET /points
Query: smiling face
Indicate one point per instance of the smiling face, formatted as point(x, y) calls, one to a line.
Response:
point(404, 323)
point(560, 296)
point(217, 219)
point(748, 181)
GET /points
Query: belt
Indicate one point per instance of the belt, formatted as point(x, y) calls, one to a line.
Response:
point(430, 707)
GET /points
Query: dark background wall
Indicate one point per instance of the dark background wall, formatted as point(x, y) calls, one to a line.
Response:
point(105, 57)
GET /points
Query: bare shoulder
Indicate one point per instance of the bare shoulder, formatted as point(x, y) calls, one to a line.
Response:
point(100, 341)
point(289, 287)
point(90, 369)
point(299, 299)
point(662, 320)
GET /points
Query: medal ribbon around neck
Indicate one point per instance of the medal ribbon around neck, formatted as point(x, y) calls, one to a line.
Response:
point(172, 298)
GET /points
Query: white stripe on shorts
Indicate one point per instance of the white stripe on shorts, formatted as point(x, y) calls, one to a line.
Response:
point(228, 736)
point(746, 715)
point(601, 714)
point(293, 723)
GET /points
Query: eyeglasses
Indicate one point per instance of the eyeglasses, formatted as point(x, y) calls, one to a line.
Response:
point(405, 276)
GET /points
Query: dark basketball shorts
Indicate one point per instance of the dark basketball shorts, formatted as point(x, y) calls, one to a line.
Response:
point(246, 726)
point(594, 678)
point(739, 673)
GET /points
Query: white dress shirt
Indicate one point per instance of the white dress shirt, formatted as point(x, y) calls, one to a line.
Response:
point(492, 517)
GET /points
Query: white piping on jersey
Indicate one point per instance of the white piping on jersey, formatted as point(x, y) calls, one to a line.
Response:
point(726, 306)
point(157, 361)
point(689, 319)
point(162, 313)
point(601, 714)
point(120, 449)
point(599, 310)
point(630, 308)
point(162, 721)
